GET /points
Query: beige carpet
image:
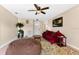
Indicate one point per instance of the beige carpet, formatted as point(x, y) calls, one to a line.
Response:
point(48, 49)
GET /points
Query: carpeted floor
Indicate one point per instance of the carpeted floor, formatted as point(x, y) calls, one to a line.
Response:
point(48, 49)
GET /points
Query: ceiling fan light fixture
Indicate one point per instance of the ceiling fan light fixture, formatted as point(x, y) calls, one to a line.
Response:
point(39, 9)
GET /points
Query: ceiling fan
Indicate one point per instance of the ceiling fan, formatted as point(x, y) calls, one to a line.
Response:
point(39, 9)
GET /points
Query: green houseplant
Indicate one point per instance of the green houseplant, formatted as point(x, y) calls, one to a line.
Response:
point(20, 31)
point(20, 25)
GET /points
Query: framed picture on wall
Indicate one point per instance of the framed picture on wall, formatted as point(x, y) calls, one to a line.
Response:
point(58, 22)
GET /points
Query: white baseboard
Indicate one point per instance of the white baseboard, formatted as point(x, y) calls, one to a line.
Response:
point(77, 48)
point(8, 42)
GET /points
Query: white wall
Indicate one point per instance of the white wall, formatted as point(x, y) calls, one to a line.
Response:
point(70, 26)
point(28, 28)
point(32, 28)
point(7, 26)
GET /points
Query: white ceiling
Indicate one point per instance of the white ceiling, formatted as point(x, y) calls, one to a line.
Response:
point(53, 11)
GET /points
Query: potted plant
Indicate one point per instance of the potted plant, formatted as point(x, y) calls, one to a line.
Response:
point(20, 31)
point(20, 25)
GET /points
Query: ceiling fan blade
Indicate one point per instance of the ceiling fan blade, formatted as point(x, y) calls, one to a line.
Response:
point(37, 7)
point(45, 8)
point(31, 10)
point(43, 12)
